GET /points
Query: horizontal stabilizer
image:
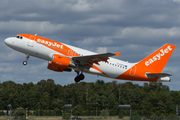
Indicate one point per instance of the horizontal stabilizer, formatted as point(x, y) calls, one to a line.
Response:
point(157, 75)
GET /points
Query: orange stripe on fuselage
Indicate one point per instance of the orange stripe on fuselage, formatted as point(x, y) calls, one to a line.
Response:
point(139, 75)
point(96, 68)
point(56, 46)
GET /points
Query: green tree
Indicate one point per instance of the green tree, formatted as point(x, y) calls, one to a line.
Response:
point(19, 112)
point(105, 112)
point(78, 110)
point(44, 101)
point(149, 99)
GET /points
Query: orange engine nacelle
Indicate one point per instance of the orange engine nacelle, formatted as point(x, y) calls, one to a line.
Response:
point(59, 63)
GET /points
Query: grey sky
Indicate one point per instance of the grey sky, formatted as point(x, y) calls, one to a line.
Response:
point(133, 27)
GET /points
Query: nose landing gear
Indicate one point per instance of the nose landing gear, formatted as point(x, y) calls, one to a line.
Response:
point(79, 77)
point(25, 62)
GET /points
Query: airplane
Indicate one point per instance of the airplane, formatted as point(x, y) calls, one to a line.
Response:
point(63, 57)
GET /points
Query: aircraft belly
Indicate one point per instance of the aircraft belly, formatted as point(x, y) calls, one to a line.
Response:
point(112, 71)
point(95, 72)
point(106, 70)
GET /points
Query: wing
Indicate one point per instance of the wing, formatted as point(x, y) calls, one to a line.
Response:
point(89, 60)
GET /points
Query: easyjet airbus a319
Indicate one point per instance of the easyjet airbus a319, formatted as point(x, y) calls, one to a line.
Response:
point(62, 57)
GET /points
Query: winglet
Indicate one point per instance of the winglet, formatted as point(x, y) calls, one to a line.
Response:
point(117, 54)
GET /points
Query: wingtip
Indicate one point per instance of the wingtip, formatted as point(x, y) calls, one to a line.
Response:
point(117, 54)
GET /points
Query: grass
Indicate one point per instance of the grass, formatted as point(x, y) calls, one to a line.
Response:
point(60, 118)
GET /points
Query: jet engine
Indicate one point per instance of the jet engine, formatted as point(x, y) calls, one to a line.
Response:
point(60, 63)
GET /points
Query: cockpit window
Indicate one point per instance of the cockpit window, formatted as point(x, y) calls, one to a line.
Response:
point(20, 37)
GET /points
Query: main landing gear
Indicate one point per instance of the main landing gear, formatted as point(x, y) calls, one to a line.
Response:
point(79, 77)
point(25, 62)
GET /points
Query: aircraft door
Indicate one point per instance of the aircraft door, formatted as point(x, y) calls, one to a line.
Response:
point(31, 42)
point(132, 71)
point(70, 53)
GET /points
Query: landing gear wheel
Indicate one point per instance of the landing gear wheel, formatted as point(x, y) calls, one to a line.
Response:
point(79, 78)
point(76, 79)
point(25, 63)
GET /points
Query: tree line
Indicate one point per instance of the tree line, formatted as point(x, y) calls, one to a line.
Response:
point(149, 99)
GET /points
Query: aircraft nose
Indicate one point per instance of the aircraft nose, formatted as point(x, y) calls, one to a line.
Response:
point(8, 41)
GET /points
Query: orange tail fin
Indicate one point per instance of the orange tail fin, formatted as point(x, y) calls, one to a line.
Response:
point(153, 63)
point(157, 60)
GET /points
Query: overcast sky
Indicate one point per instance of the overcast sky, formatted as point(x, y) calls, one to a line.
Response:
point(135, 28)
